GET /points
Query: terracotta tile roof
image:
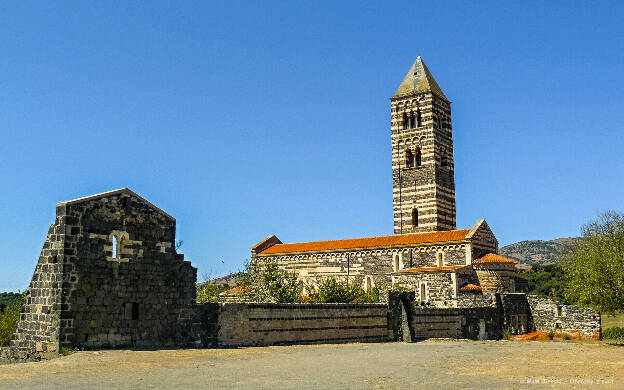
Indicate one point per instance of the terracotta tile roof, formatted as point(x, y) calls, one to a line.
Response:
point(494, 258)
point(429, 269)
point(238, 290)
point(471, 287)
point(369, 242)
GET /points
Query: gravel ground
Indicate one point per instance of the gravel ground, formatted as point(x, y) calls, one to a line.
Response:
point(431, 364)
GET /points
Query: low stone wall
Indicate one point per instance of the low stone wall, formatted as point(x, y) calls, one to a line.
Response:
point(561, 318)
point(259, 324)
point(480, 323)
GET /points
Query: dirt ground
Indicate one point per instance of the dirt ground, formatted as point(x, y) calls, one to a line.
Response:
point(431, 364)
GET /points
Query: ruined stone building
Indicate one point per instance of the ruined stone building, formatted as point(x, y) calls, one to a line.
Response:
point(426, 253)
point(108, 276)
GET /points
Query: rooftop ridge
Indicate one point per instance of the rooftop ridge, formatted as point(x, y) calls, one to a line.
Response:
point(366, 242)
point(114, 192)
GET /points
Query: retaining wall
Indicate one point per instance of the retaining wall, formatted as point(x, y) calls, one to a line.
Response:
point(258, 324)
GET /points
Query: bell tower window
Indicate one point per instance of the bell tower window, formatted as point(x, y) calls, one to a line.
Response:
point(405, 121)
point(418, 158)
point(415, 217)
point(409, 158)
point(418, 119)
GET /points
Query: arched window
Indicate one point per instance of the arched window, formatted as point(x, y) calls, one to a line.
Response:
point(418, 119)
point(409, 158)
point(405, 121)
point(114, 254)
point(396, 263)
point(412, 121)
point(440, 259)
point(369, 283)
point(418, 158)
point(415, 217)
point(423, 292)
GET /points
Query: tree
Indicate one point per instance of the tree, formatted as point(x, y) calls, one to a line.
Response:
point(269, 283)
point(547, 280)
point(595, 266)
point(8, 320)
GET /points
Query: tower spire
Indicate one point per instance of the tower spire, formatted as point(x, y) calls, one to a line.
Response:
point(419, 79)
point(422, 155)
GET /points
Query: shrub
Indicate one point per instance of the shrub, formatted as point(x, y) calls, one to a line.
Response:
point(506, 335)
point(8, 321)
point(209, 292)
point(615, 333)
point(330, 290)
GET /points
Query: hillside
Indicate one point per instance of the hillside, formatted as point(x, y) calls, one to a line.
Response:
point(537, 251)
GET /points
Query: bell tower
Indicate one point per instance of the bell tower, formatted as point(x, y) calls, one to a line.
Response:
point(423, 181)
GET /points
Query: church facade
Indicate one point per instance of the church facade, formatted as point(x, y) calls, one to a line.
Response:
point(427, 253)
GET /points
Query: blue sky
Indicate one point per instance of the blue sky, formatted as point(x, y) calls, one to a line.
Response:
point(245, 119)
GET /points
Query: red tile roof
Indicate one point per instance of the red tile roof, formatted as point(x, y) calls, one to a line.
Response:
point(238, 290)
point(471, 287)
point(494, 258)
point(369, 242)
point(429, 269)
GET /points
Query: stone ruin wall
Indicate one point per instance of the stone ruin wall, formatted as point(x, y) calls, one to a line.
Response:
point(558, 317)
point(80, 296)
point(39, 324)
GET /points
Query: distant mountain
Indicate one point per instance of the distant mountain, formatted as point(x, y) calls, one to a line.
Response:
point(229, 279)
point(536, 251)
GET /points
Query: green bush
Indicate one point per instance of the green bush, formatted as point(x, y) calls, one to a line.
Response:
point(8, 321)
point(615, 333)
point(330, 290)
point(209, 292)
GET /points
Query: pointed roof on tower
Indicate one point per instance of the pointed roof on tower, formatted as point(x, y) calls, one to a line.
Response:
point(419, 79)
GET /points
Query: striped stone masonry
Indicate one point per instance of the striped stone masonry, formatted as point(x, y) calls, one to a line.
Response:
point(422, 155)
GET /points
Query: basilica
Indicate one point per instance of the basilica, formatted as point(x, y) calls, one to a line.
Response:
point(426, 253)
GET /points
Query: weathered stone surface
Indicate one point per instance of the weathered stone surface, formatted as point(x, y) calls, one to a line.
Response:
point(108, 276)
point(257, 324)
point(550, 315)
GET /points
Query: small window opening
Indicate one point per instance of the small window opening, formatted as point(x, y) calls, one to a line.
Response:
point(439, 122)
point(368, 283)
point(423, 292)
point(415, 217)
point(396, 262)
point(558, 311)
point(405, 121)
point(440, 259)
point(135, 311)
point(418, 119)
point(412, 120)
point(409, 158)
point(418, 158)
point(114, 254)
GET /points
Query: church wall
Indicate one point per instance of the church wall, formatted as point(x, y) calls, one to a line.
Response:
point(357, 265)
point(497, 279)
